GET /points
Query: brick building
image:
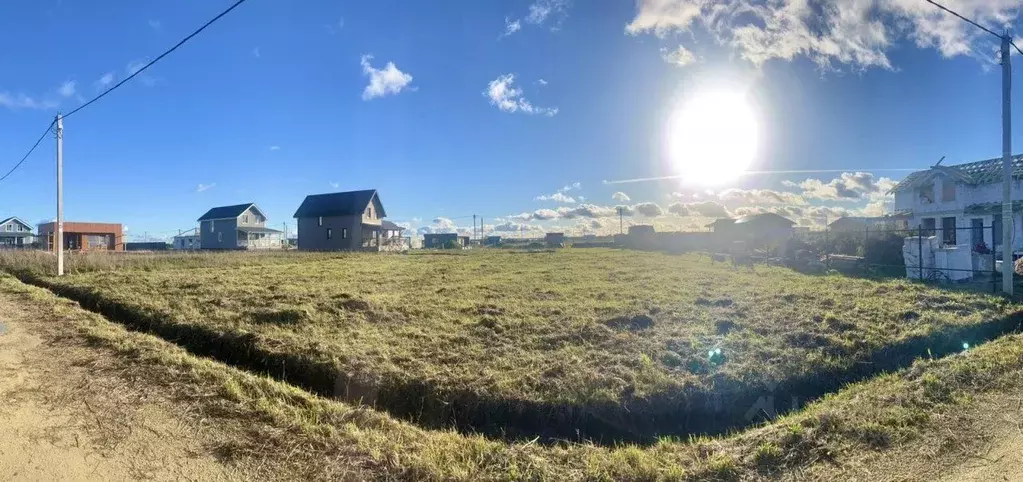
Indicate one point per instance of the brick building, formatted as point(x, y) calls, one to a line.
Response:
point(84, 236)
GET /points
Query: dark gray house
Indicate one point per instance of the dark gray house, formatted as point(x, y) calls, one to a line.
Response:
point(242, 226)
point(346, 221)
point(15, 233)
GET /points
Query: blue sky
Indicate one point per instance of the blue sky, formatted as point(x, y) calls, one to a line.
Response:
point(448, 109)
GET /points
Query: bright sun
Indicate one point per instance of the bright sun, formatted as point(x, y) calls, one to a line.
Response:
point(712, 138)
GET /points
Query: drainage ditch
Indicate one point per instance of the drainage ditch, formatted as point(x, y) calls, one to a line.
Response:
point(730, 407)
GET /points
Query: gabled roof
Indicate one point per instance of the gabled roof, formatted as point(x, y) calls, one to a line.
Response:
point(338, 204)
point(721, 222)
point(389, 226)
point(980, 172)
point(189, 233)
point(764, 218)
point(257, 229)
point(15, 218)
point(229, 212)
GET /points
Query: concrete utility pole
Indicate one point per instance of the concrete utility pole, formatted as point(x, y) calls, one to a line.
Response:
point(59, 242)
point(1007, 224)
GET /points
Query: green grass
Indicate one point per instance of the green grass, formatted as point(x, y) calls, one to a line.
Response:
point(596, 343)
point(918, 405)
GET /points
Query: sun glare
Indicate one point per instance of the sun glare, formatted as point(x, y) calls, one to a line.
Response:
point(712, 138)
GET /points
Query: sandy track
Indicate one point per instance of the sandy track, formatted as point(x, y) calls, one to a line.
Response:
point(61, 422)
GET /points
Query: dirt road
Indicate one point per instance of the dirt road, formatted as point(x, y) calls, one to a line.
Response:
point(60, 423)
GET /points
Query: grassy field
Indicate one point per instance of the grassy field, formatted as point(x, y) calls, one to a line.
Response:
point(597, 344)
point(909, 425)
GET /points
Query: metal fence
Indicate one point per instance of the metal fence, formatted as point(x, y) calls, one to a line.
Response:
point(930, 253)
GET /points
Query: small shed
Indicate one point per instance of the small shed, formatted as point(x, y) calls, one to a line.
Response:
point(554, 239)
point(146, 246)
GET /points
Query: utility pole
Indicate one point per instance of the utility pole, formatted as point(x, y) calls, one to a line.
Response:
point(59, 243)
point(621, 222)
point(1007, 221)
point(474, 226)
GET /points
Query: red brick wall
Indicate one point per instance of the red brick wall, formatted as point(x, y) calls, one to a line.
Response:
point(84, 229)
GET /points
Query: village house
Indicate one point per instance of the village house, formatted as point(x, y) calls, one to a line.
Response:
point(79, 236)
point(15, 233)
point(961, 203)
point(764, 228)
point(860, 224)
point(444, 240)
point(241, 226)
point(187, 240)
point(346, 221)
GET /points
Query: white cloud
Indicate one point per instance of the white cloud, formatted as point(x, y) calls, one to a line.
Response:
point(542, 82)
point(680, 56)
point(621, 197)
point(556, 197)
point(508, 98)
point(511, 26)
point(67, 89)
point(105, 80)
point(275, 148)
point(649, 209)
point(857, 33)
point(574, 185)
point(334, 184)
point(205, 187)
point(386, 81)
point(849, 186)
point(22, 101)
point(134, 66)
point(541, 10)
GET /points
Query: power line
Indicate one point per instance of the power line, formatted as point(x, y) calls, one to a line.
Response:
point(30, 151)
point(122, 82)
point(139, 71)
point(975, 24)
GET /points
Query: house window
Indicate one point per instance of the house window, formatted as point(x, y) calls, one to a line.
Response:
point(9, 227)
point(996, 230)
point(211, 226)
point(948, 191)
point(369, 211)
point(928, 226)
point(245, 219)
point(926, 194)
point(344, 233)
point(220, 237)
point(948, 230)
point(329, 233)
point(977, 231)
point(319, 221)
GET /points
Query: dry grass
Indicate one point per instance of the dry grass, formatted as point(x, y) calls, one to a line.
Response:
point(325, 439)
point(597, 344)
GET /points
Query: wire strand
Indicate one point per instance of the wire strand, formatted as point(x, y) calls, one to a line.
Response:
point(975, 24)
point(30, 151)
point(150, 64)
point(1014, 46)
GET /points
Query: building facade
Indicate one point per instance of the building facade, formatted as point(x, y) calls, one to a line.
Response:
point(15, 233)
point(187, 240)
point(346, 221)
point(79, 236)
point(240, 226)
point(962, 204)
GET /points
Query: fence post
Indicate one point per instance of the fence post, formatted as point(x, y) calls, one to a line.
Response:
point(866, 241)
point(994, 282)
point(920, 249)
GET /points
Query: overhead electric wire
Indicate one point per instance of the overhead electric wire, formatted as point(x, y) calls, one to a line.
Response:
point(975, 24)
point(30, 151)
point(122, 82)
point(157, 59)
